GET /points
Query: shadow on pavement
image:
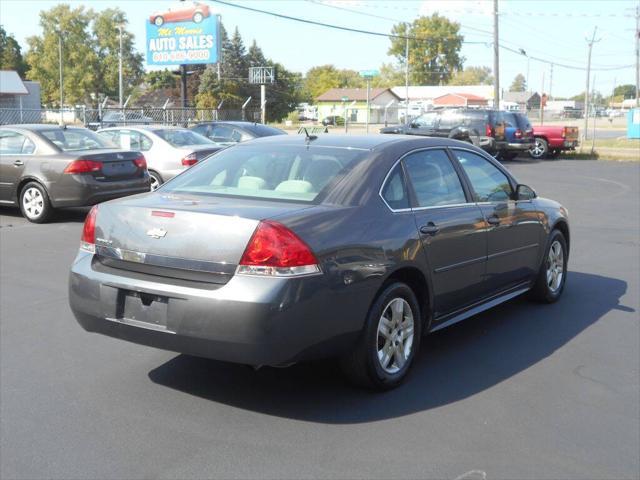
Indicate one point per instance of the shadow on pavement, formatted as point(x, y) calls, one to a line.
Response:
point(454, 363)
point(63, 215)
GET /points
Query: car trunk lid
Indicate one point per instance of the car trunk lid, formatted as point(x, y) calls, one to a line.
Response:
point(115, 165)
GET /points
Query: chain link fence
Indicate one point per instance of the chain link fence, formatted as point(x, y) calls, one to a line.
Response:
point(95, 118)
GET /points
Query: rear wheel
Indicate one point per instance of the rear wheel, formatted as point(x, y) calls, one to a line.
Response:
point(35, 204)
point(553, 271)
point(389, 340)
point(540, 149)
point(156, 180)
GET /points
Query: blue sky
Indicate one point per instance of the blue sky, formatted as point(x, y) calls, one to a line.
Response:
point(553, 30)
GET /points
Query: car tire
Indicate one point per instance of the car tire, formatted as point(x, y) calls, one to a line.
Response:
point(35, 204)
point(548, 288)
point(158, 21)
point(389, 342)
point(156, 180)
point(540, 149)
point(197, 17)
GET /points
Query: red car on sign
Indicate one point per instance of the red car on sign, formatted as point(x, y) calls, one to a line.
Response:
point(184, 12)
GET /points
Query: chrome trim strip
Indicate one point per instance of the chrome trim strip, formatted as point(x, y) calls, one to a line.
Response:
point(513, 250)
point(474, 310)
point(139, 324)
point(465, 263)
point(218, 268)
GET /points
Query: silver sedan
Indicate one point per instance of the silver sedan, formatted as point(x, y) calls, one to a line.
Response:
point(168, 150)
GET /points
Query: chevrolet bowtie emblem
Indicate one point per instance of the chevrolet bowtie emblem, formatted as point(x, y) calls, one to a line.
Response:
point(157, 232)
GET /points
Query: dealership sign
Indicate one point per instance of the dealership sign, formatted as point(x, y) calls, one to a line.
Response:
point(184, 34)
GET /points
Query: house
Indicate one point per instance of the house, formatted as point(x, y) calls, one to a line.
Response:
point(421, 97)
point(525, 100)
point(459, 100)
point(351, 103)
point(19, 100)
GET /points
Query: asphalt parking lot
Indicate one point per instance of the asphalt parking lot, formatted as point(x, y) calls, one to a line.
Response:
point(523, 391)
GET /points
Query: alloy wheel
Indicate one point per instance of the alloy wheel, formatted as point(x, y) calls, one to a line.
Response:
point(555, 266)
point(395, 335)
point(155, 183)
point(537, 150)
point(33, 202)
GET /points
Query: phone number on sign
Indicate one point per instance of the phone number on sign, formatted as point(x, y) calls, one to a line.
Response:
point(181, 56)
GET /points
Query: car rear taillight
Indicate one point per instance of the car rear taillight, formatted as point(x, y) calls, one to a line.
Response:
point(488, 130)
point(83, 166)
point(140, 162)
point(274, 250)
point(189, 160)
point(518, 133)
point(88, 239)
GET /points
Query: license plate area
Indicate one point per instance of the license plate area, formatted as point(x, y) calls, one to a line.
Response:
point(146, 309)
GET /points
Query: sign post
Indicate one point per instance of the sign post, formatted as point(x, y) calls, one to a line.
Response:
point(262, 76)
point(368, 75)
point(345, 99)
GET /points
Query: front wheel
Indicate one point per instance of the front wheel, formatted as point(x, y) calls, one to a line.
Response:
point(540, 149)
point(35, 204)
point(389, 340)
point(553, 271)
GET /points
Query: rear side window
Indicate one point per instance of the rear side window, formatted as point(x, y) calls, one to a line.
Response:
point(281, 172)
point(76, 139)
point(12, 143)
point(523, 122)
point(488, 182)
point(395, 190)
point(434, 180)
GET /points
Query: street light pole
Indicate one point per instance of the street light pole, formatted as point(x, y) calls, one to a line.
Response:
point(496, 57)
point(586, 92)
point(60, 69)
point(120, 88)
point(406, 74)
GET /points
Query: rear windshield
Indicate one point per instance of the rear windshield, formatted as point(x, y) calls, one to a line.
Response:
point(264, 130)
point(280, 172)
point(523, 122)
point(76, 139)
point(180, 137)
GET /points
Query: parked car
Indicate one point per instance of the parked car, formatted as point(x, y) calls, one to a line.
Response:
point(335, 120)
point(117, 118)
point(513, 134)
point(183, 12)
point(286, 249)
point(168, 150)
point(550, 140)
point(229, 133)
point(46, 167)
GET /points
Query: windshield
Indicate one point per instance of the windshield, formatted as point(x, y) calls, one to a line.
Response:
point(180, 137)
point(281, 172)
point(426, 120)
point(76, 139)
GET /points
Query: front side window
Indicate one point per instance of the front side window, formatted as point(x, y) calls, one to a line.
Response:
point(488, 182)
point(282, 172)
point(427, 120)
point(76, 139)
point(434, 180)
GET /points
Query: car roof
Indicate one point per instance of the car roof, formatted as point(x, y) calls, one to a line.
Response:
point(363, 142)
point(148, 128)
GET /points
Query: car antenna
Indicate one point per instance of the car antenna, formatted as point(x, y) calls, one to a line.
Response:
point(308, 138)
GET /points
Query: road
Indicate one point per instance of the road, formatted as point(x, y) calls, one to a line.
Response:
point(523, 391)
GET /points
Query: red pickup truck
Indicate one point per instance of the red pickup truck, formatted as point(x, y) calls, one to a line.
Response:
point(551, 140)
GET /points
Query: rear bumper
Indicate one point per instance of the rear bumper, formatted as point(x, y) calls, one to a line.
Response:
point(83, 190)
point(249, 320)
point(520, 147)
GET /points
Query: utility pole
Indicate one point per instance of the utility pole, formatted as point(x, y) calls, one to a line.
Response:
point(406, 74)
point(638, 56)
point(550, 82)
point(586, 92)
point(496, 57)
point(120, 89)
point(263, 103)
point(368, 88)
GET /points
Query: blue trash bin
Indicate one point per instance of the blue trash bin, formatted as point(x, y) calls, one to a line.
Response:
point(633, 123)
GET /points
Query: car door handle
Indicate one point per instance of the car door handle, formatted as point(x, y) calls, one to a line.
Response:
point(429, 229)
point(493, 220)
point(18, 163)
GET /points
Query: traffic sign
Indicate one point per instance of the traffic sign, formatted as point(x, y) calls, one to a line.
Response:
point(345, 99)
point(369, 73)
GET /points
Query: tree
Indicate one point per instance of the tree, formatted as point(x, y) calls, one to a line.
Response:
point(107, 48)
point(390, 76)
point(472, 76)
point(10, 54)
point(434, 49)
point(322, 78)
point(519, 84)
point(159, 79)
point(626, 91)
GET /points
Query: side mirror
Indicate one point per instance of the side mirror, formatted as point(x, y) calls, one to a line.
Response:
point(524, 192)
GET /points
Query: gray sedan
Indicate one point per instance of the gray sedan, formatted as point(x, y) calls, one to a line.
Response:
point(44, 167)
point(287, 249)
